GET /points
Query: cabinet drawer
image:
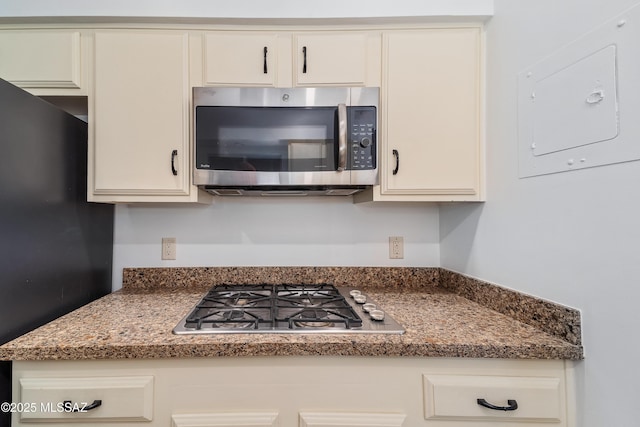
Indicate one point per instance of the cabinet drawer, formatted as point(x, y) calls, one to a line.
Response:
point(456, 397)
point(122, 399)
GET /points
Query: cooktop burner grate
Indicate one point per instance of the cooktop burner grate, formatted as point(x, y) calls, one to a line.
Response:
point(282, 308)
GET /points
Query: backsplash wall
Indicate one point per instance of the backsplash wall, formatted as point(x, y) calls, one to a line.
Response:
point(316, 231)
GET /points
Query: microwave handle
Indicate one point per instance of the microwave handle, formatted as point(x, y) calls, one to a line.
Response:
point(342, 137)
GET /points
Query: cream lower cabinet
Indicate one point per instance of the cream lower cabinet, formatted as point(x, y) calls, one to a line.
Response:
point(430, 132)
point(296, 391)
point(139, 148)
point(45, 61)
point(286, 59)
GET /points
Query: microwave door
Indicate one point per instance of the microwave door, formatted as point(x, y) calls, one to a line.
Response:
point(272, 145)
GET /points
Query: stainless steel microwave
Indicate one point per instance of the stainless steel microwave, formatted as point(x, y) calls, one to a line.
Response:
point(285, 141)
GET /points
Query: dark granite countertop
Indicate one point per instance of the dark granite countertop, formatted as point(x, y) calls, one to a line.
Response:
point(445, 315)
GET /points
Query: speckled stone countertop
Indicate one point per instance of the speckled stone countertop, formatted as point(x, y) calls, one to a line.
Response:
point(443, 313)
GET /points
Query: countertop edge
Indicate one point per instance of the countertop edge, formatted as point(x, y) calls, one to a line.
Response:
point(296, 349)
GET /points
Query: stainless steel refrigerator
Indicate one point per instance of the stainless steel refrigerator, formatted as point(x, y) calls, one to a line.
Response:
point(56, 250)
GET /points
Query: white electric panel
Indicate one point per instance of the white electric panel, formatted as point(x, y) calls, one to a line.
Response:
point(579, 107)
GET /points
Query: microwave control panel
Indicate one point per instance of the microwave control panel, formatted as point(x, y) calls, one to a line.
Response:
point(362, 137)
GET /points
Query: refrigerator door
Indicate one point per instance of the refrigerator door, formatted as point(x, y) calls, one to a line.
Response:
point(56, 249)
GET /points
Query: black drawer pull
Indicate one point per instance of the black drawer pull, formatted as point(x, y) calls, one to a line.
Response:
point(81, 407)
point(513, 405)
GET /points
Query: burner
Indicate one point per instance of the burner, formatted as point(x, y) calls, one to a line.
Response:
point(325, 296)
point(233, 315)
point(307, 300)
point(320, 318)
point(311, 318)
point(241, 299)
point(236, 319)
point(231, 319)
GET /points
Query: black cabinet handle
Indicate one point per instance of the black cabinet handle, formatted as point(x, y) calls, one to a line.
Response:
point(397, 156)
point(174, 153)
point(304, 60)
point(77, 407)
point(513, 405)
point(265, 60)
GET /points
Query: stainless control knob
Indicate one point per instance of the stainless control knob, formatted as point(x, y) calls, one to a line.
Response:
point(368, 307)
point(377, 315)
point(360, 299)
point(365, 142)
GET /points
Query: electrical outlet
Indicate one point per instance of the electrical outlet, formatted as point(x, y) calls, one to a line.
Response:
point(396, 247)
point(168, 248)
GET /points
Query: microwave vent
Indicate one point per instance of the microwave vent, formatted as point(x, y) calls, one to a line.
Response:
point(225, 192)
point(343, 191)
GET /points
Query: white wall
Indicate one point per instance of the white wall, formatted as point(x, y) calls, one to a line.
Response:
point(570, 237)
point(318, 231)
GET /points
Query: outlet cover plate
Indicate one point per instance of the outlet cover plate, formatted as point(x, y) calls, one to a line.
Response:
point(169, 248)
point(396, 247)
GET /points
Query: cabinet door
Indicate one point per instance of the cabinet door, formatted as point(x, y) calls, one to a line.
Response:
point(350, 59)
point(240, 58)
point(140, 115)
point(432, 116)
point(41, 61)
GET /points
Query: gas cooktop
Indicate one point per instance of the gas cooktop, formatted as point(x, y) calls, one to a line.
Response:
point(286, 308)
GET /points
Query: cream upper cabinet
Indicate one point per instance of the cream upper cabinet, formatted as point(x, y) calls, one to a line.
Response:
point(139, 137)
point(340, 58)
point(240, 58)
point(285, 59)
point(431, 133)
point(44, 62)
